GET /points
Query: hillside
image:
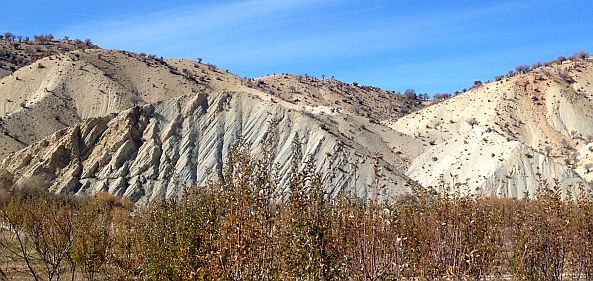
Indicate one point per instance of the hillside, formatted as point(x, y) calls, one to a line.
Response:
point(164, 148)
point(141, 127)
point(503, 137)
point(376, 104)
point(59, 91)
point(17, 53)
point(81, 113)
point(302, 90)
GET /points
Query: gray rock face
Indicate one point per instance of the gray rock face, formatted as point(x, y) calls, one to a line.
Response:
point(159, 150)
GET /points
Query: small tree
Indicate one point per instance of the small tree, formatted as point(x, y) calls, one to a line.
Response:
point(410, 94)
point(424, 96)
point(522, 69)
point(91, 238)
point(9, 36)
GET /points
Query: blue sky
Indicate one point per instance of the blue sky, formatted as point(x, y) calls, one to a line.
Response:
point(431, 46)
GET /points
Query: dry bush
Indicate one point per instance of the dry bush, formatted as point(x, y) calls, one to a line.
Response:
point(540, 235)
point(246, 226)
point(39, 233)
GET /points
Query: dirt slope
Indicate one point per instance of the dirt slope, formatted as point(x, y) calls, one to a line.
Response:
point(61, 90)
point(374, 103)
point(144, 128)
point(377, 104)
point(161, 149)
point(503, 137)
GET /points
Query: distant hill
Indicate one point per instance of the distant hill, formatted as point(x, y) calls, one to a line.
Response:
point(81, 115)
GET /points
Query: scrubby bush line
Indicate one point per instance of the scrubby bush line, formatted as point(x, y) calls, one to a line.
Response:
point(239, 229)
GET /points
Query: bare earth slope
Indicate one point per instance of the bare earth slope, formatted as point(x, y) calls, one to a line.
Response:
point(61, 90)
point(144, 128)
point(502, 138)
point(161, 149)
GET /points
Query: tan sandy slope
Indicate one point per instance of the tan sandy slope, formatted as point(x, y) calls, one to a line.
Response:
point(302, 90)
point(503, 137)
point(15, 54)
point(61, 90)
point(372, 102)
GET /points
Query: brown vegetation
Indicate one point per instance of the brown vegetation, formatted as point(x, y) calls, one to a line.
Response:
point(242, 228)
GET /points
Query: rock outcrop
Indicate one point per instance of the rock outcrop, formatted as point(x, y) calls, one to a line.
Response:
point(161, 149)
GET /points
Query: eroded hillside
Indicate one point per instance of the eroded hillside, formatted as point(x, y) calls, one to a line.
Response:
point(143, 128)
point(163, 148)
point(59, 91)
point(302, 90)
point(503, 137)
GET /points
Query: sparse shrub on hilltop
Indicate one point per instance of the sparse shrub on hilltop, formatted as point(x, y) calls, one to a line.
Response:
point(524, 69)
point(441, 96)
point(410, 94)
point(43, 39)
point(18, 51)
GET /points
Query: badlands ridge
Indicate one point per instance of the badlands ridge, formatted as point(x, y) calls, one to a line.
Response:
point(90, 120)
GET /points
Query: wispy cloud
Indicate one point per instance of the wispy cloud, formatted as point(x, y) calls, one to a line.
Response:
point(389, 34)
point(231, 18)
point(176, 23)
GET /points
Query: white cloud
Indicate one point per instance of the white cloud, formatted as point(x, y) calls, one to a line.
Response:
point(179, 22)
